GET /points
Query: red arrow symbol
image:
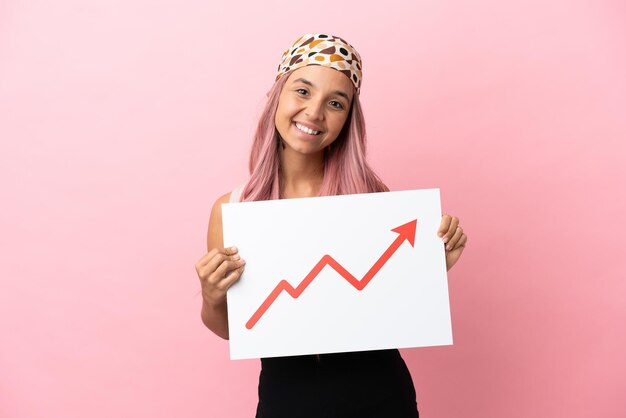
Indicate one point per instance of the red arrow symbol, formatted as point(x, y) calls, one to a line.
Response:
point(405, 232)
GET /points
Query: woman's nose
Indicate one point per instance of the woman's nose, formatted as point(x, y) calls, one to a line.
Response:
point(315, 109)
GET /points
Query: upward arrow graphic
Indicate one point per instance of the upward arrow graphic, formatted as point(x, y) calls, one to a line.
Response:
point(406, 232)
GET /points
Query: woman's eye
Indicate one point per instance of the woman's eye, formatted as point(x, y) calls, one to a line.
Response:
point(336, 104)
point(302, 90)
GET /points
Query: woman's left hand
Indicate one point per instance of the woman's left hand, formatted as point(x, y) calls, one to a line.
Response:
point(453, 237)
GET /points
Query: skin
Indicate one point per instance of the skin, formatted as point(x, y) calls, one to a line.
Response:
point(316, 96)
point(319, 97)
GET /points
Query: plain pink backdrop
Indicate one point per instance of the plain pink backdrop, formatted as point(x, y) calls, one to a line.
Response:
point(122, 121)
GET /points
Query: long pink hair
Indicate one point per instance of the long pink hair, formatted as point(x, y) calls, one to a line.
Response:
point(346, 170)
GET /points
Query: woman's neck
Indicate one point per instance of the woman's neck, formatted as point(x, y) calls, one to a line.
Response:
point(301, 175)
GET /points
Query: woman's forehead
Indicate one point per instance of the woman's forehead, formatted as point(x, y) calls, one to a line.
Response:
point(321, 77)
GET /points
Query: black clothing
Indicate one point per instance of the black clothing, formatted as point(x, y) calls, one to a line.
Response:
point(367, 384)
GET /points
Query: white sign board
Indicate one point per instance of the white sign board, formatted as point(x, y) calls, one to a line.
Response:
point(337, 274)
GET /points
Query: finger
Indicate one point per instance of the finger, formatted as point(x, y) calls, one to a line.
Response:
point(231, 250)
point(222, 254)
point(455, 238)
point(445, 224)
point(206, 258)
point(226, 279)
point(230, 279)
point(454, 223)
point(458, 250)
point(462, 242)
point(213, 264)
point(226, 267)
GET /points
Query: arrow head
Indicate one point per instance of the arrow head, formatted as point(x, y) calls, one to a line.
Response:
point(407, 231)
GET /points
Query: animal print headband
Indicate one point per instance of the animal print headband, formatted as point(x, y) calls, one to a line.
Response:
point(327, 50)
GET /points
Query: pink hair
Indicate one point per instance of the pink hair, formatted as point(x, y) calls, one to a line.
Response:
point(346, 170)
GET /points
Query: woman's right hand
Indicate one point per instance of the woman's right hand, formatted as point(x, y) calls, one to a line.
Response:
point(218, 270)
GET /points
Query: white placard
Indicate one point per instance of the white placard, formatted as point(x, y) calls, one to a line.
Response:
point(337, 274)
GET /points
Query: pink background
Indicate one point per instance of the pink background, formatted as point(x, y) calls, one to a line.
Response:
point(122, 121)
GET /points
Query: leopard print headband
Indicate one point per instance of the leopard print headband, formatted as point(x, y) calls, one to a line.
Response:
point(327, 50)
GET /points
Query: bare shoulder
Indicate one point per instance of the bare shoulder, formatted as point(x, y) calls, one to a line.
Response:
point(215, 238)
point(222, 199)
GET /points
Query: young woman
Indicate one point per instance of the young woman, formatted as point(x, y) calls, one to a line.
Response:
point(310, 141)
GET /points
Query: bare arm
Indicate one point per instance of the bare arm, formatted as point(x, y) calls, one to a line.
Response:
point(218, 270)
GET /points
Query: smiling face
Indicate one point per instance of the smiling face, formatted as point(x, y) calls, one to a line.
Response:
point(313, 107)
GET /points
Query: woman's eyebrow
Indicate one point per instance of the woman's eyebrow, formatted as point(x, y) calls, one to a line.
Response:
point(337, 92)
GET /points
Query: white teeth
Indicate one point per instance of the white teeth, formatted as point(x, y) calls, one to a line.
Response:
point(307, 130)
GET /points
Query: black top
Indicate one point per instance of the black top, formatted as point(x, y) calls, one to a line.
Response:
point(358, 384)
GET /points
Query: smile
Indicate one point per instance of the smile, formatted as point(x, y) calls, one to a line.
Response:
point(306, 130)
